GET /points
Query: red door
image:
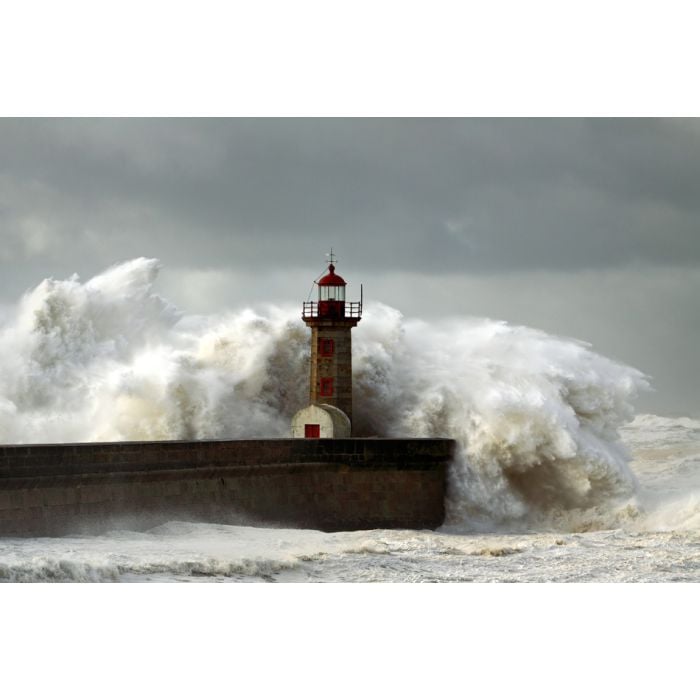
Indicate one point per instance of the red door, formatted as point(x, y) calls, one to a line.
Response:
point(312, 430)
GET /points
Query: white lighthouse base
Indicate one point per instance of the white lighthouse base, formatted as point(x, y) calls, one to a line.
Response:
point(320, 421)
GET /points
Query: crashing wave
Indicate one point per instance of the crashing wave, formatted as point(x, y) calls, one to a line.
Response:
point(536, 416)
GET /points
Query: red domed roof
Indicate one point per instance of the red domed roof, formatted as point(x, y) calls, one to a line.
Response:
point(331, 278)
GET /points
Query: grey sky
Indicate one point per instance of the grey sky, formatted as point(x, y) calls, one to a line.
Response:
point(585, 228)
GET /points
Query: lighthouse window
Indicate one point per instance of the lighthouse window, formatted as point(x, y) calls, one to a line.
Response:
point(325, 347)
point(326, 386)
point(312, 430)
point(332, 293)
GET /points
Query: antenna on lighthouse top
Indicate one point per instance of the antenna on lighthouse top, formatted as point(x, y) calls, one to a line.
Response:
point(332, 259)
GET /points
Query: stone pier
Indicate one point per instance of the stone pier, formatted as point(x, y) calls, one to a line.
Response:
point(333, 484)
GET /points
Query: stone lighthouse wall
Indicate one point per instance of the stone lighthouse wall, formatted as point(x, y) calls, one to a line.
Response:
point(337, 366)
point(345, 484)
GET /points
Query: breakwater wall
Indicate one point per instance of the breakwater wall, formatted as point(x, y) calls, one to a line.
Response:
point(327, 484)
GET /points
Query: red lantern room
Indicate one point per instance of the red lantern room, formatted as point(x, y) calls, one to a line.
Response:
point(331, 295)
point(331, 303)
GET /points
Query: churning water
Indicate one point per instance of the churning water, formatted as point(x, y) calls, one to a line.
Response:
point(555, 477)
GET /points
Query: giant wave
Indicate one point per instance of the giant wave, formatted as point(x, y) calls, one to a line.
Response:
point(537, 417)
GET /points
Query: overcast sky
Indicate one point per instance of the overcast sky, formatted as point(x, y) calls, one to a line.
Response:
point(583, 228)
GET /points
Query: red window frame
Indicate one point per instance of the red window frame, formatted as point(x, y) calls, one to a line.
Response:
point(326, 347)
point(326, 388)
point(312, 430)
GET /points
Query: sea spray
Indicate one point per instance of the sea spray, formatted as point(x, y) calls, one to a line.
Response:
point(536, 416)
point(111, 360)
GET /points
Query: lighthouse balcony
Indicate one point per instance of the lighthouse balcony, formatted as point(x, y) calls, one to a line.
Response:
point(332, 309)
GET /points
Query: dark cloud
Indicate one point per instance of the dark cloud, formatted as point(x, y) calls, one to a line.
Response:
point(496, 199)
point(451, 194)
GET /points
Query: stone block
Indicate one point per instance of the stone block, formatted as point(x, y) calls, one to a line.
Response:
point(5, 501)
point(33, 497)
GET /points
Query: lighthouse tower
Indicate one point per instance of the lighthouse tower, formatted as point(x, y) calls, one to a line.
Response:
point(331, 319)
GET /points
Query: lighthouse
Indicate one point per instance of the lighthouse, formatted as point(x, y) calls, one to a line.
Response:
point(331, 319)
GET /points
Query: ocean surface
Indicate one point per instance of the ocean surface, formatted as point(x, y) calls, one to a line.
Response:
point(653, 536)
point(555, 477)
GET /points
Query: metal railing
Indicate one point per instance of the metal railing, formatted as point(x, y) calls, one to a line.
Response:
point(353, 309)
point(341, 309)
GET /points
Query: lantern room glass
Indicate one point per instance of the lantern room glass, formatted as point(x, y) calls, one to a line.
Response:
point(331, 293)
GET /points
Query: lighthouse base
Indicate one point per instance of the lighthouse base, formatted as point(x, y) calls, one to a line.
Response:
point(347, 484)
point(320, 421)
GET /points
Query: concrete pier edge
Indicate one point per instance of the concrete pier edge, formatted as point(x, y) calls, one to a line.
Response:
point(326, 484)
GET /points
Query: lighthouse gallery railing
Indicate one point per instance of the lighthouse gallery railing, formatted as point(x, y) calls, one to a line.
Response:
point(353, 309)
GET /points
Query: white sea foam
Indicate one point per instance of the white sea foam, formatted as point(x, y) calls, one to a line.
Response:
point(666, 458)
point(536, 416)
point(174, 551)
